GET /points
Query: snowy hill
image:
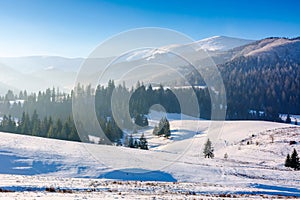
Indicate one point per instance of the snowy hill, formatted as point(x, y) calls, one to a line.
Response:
point(221, 43)
point(215, 43)
point(253, 158)
point(272, 49)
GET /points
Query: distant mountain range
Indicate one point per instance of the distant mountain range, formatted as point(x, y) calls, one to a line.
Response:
point(39, 72)
point(212, 44)
point(35, 73)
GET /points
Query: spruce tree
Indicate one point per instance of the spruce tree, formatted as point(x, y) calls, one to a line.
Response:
point(167, 131)
point(288, 119)
point(65, 131)
point(50, 132)
point(138, 120)
point(163, 128)
point(143, 142)
point(295, 164)
point(21, 123)
point(26, 129)
point(145, 121)
point(11, 126)
point(208, 150)
point(287, 161)
point(131, 142)
point(135, 144)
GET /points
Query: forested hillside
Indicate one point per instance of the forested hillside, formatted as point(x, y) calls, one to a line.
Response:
point(264, 77)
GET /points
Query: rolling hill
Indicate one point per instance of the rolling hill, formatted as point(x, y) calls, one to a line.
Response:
point(255, 163)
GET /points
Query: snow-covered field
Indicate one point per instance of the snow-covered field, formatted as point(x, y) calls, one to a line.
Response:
point(172, 168)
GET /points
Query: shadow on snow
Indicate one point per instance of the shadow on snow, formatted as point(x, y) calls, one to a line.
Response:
point(138, 175)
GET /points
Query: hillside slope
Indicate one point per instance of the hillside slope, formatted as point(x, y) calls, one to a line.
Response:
point(25, 155)
point(254, 164)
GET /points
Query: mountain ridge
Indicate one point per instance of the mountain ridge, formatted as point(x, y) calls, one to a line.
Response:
point(222, 49)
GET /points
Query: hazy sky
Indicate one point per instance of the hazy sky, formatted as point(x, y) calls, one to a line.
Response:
point(74, 28)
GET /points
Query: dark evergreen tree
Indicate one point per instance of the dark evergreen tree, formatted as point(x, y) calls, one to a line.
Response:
point(143, 142)
point(57, 129)
point(21, 123)
point(163, 128)
point(135, 144)
point(50, 132)
point(287, 161)
point(208, 150)
point(65, 131)
point(26, 124)
point(288, 119)
point(8, 124)
point(141, 120)
point(131, 141)
point(145, 121)
point(11, 124)
point(35, 124)
point(295, 164)
point(167, 131)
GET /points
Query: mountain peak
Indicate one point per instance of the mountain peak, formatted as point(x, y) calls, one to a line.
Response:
point(220, 43)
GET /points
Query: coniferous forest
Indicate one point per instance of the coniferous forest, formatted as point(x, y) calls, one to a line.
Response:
point(49, 113)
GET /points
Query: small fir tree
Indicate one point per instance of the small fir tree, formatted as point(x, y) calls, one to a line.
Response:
point(143, 142)
point(208, 150)
point(131, 142)
point(292, 161)
point(225, 156)
point(295, 164)
point(287, 161)
point(163, 128)
point(288, 119)
point(167, 131)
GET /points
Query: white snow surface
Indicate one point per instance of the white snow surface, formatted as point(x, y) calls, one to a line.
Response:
point(220, 43)
point(215, 43)
point(255, 163)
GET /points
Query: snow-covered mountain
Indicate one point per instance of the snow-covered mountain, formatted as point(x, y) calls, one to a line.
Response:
point(40, 72)
point(213, 44)
point(220, 43)
point(272, 49)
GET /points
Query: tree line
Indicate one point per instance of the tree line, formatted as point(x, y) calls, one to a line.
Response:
point(36, 109)
point(47, 127)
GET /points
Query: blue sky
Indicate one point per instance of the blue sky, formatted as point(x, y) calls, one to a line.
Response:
point(74, 28)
